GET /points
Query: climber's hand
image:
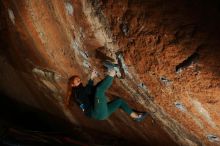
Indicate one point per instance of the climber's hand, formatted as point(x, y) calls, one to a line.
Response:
point(94, 74)
point(112, 72)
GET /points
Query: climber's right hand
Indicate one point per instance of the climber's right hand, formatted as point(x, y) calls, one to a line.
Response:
point(112, 73)
point(94, 74)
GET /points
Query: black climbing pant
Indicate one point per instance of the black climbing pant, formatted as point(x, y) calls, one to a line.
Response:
point(103, 109)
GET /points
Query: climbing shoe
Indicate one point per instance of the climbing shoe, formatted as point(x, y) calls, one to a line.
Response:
point(109, 65)
point(141, 117)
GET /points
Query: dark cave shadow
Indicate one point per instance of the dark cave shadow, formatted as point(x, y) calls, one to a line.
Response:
point(26, 117)
point(21, 120)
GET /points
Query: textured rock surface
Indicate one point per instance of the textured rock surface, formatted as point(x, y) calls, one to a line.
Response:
point(171, 57)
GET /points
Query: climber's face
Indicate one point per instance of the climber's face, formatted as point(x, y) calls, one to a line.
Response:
point(76, 82)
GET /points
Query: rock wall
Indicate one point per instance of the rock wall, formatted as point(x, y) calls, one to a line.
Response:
point(170, 54)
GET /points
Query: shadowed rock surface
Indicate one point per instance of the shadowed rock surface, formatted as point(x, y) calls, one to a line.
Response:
point(170, 54)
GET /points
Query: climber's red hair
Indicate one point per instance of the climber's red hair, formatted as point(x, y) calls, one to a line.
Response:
point(70, 85)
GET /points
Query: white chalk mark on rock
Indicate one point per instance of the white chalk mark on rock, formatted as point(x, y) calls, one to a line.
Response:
point(69, 8)
point(47, 74)
point(213, 138)
point(202, 111)
point(11, 16)
point(124, 65)
point(76, 47)
point(165, 81)
point(81, 55)
point(86, 64)
point(180, 106)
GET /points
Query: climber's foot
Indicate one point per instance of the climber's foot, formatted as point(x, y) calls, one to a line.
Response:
point(141, 116)
point(111, 66)
point(108, 64)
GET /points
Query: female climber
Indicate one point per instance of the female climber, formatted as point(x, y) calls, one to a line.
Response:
point(93, 101)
